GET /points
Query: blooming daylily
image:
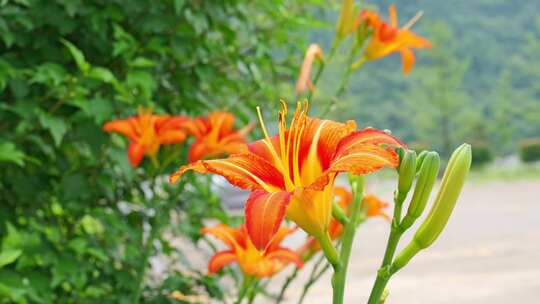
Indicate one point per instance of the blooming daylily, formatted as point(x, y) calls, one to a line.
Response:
point(313, 52)
point(293, 172)
point(388, 38)
point(343, 198)
point(147, 132)
point(374, 207)
point(215, 136)
point(252, 261)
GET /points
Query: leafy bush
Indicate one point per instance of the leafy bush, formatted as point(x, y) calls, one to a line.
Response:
point(71, 204)
point(529, 149)
point(481, 154)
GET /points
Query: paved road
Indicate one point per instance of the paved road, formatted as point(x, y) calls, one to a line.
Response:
point(489, 253)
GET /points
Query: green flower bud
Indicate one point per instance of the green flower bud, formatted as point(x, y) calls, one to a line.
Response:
point(426, 179)
point(407, 171)
point(345, 22)
point(451, 185)
point(420, 159)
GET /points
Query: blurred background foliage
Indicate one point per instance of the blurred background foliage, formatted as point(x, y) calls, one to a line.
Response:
point(70, 202)
point(71, 206)
point(479, 83)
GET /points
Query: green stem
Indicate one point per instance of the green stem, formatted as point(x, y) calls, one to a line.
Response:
point(347, 239)
point(329, 250)
point(286, 285)
point(320, 70)
point(339, 214)
point(144, 262)
point(385, 272)
point(253, 292)
point(244, 289)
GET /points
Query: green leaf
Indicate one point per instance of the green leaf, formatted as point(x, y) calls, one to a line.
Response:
point(99, 109)
point(56, 126)
point(77, 55)
point(9, 153)
point(9, 256)
point(102, 74)
point(141, 62)
point(178, 5)
point(91, 225)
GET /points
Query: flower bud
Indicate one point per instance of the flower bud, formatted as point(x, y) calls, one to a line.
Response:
point(451, 185)
point(420, 159)
point(407, 171)
point(427, 176)
point(345, 22)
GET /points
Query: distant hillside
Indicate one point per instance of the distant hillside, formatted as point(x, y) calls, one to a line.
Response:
point(498, 42)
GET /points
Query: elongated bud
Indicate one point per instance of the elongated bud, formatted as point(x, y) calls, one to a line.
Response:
point(345, 22)
point(427, 176)
point(433, 225)
point(420, 159)
point(407, 171)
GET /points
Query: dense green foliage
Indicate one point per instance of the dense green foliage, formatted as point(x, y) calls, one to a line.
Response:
point(75, 215)
point(529, 150)
point(70, 202)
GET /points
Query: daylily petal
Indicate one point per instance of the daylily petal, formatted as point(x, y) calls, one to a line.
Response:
point(264, 214)
point(197, 150)
point(367, 136)
point(221, 123)
point(342, 196)
point(287, 256)
point(260, 149)
point(122, 126)
point(375, 206)
point(281, 234)
point(364, 159)
point(230, 236)
point(171, 136)
point(220, 260)
point(135, 153)
point(320, 139)
point(166, 122)
point(246, 171)
point(407, 59)
point(196, 127)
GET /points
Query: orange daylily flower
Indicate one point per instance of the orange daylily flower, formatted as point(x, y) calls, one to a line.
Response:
point(293, 172)
point(313, 52)
point(388, 38)
point(215, 136)
point(252, 261)
point(147, 132)
point(375, 206)
point(343, 198)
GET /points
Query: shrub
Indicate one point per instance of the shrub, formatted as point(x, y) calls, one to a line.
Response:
point(65, 68)
point(481, 154)
point(529, 149)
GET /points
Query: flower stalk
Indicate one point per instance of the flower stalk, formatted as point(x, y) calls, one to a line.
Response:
point(451, 185)
point(340, 275)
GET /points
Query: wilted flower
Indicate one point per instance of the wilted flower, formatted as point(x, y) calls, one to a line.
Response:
point(215, 136)
point(252, 261)
point(293, 172)
point(147, 132)
point(388, 38)
point(313, 52)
